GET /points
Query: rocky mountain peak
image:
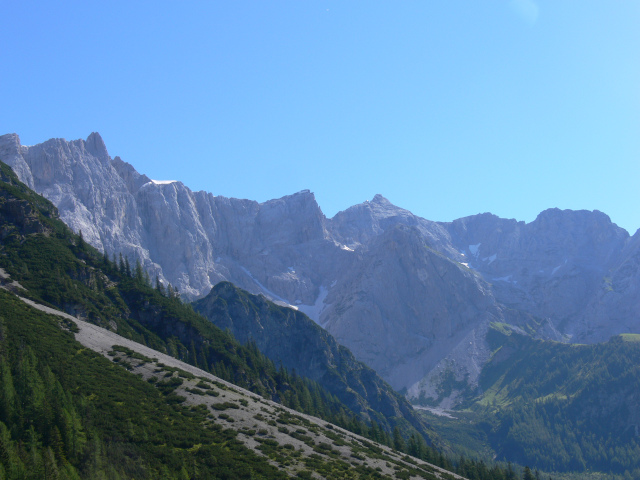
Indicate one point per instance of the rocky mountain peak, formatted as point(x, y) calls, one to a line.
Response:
point(588, 235)
point(378, 198)
point(360, 223)
point(96, 147)
point(293, 218)
point(401, 291)
point(10, 153)
point(9, 142)
point(224, 290)
point(576, 219)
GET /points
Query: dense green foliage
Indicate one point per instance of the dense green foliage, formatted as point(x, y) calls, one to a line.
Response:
point(67, 412)
point(301, 345)
point(564, 408)
point(59, 269)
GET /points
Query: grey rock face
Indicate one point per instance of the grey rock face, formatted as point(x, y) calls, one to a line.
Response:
point(78, 178)
point(405, 294)
point(615, 306)
point(551, 267)
point(416, 304)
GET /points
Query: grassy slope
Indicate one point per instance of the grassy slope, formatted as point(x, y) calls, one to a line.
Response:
point(563, 408)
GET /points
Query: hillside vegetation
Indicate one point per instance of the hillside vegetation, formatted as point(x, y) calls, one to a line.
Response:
point(290, 338)
point(564, 408)
point(57, 268)
point(67, 412)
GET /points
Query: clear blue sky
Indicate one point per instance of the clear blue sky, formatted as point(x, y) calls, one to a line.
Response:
point(448, 108)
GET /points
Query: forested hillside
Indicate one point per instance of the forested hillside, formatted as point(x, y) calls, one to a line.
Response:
point(564, 408)
point(58, 268)
point(69, 413)
point(290, 338)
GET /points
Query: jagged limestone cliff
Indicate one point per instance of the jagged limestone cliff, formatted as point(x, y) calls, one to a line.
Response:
point(408, 296)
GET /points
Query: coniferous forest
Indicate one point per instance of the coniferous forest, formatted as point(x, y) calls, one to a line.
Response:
point(68, 412)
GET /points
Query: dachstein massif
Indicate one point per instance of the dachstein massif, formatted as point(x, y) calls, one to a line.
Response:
point(412, 298)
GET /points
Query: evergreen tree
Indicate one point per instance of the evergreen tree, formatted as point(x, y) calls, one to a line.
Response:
point(8, 397)
point(398, 441)
point(159, 286)
point(138, 273)
point(82, 246)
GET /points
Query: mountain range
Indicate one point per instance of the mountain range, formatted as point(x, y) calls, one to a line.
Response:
point(411, 298)
point(157, 392)
point(67, 413)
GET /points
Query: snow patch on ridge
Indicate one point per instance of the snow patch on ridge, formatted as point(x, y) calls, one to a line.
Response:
point(558, 268)
point(504, 279)
point(163, 182)
point(314, 311)
point(491, 259)
point(278, 300)
point(473, 249)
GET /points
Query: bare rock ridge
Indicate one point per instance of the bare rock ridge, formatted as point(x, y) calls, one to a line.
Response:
point(409, 297)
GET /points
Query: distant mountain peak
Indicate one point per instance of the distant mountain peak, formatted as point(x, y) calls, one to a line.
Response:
point(375, 275)
point(95, 145)
point(380, 199)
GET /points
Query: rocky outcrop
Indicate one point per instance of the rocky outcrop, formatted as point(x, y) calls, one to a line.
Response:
point(406, 295)
point(420, 302)
point(615, 306)
point(538, 266)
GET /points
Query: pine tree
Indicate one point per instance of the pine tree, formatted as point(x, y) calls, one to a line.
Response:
point(193, 358)
point(8, 396)
point(527, 474)
point(413, 447)
point(159, 286)
point(398, 441)
point(50, 465)
point(9, 459)
point(82, 246)
point(138, 275)
point(127, 267)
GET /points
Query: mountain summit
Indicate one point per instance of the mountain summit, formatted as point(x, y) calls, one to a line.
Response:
point(410, 297)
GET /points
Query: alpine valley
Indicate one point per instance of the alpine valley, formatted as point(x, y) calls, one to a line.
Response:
point(521, 334)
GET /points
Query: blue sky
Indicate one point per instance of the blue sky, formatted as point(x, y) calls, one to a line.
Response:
point(447, 108)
